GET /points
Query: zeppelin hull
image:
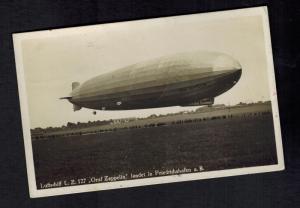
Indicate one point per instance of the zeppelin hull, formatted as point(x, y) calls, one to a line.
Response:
point(173, 81)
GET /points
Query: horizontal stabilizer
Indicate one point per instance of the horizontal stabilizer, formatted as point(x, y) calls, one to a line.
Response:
point(65, 98)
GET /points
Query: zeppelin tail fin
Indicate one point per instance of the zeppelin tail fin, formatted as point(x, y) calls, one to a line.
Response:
point(76, 107)
point(75, 85)
point(69, 98)
point(65, 98)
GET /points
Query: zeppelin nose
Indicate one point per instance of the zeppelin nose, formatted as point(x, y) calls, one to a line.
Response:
point(227, 70)
point(224, 62)
point(227, 66)
point(236, 74)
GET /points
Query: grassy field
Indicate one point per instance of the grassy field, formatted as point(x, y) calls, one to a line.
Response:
point(214, 144)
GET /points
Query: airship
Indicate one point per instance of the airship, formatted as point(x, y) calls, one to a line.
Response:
point(183, 79)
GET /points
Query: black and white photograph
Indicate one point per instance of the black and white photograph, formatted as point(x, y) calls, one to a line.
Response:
point(150, 101)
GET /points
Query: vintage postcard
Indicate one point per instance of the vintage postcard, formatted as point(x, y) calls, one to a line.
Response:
point(148, 102)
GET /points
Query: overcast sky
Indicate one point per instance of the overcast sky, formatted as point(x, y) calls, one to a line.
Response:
point(54, 59)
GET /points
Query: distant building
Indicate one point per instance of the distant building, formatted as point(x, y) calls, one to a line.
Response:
point(219, 106)
point(123, 120)
point(202, 109)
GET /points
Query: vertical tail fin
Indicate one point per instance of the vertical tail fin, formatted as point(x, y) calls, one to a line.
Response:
point(69, 98)
point(76, 107)
point(75, 85)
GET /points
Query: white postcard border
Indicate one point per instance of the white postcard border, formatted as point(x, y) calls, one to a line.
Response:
point(34, 192)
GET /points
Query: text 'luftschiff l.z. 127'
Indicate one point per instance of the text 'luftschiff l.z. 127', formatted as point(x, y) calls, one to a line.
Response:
point(186, 79)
